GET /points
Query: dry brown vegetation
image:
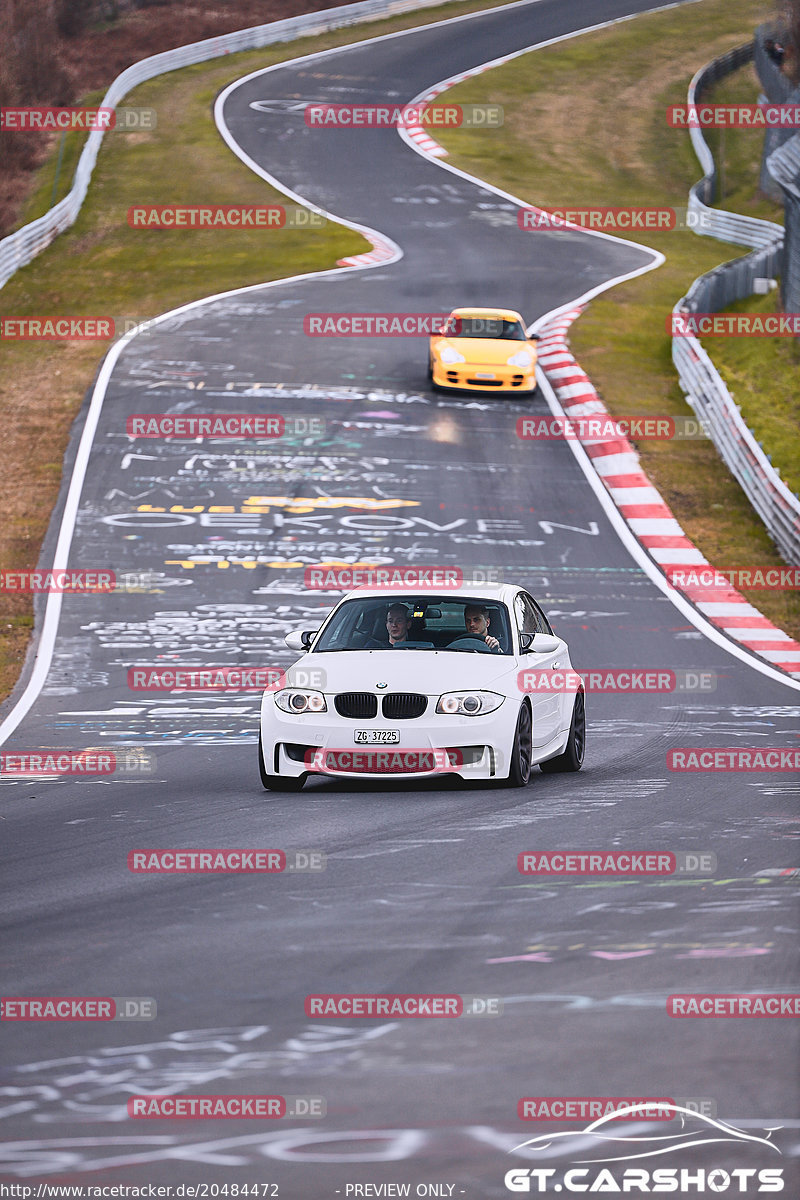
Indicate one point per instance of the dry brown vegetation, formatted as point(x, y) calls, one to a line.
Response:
point(56, 51)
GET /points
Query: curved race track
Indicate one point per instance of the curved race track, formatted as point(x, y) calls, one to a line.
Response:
point(421, 891)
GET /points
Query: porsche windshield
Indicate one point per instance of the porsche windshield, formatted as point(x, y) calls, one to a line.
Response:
point(484, 327)
point(408, 622)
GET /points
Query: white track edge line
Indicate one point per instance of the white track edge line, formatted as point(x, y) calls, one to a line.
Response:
point(44, 650)
point(626, 535)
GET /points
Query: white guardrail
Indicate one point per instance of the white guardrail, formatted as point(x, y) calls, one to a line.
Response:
point(21, 247)
point(705, 390)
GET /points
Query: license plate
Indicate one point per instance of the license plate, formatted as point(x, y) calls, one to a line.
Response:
point(376, 737)
point(484, 375)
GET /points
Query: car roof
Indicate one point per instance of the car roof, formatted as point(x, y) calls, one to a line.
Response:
point(503, 592)
point(507, 314)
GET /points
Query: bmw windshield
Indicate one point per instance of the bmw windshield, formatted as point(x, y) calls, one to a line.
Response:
point(410, 622)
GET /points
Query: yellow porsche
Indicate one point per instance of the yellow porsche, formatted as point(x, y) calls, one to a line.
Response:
point(483, 350)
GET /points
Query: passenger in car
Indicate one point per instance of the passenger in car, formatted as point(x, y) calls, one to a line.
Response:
point(476, 620)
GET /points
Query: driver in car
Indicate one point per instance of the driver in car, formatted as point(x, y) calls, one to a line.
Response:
point(476, 620)
point(398, 619)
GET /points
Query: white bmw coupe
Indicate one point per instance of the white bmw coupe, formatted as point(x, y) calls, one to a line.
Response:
point(421, 683)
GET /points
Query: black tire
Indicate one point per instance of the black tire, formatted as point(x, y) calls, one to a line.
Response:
point(522, 750)
point(277, 783)
point(572, 757)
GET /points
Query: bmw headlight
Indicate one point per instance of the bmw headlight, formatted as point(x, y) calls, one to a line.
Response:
point(523, 358)
point(449, 355)
point(300, 700)
point(468, 704)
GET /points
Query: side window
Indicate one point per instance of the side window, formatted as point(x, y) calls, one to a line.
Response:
point(519, 613)
point(530, 618)
point(526, 614)
point(542, 623)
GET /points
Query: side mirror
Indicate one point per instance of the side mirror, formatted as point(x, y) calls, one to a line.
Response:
point(538, 643)
point(534, 337)
point(299, 639)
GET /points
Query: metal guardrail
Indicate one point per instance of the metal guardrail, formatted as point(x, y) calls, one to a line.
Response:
point(778, 508)
point(705, 389)
point(21, 247)
point(715, 222)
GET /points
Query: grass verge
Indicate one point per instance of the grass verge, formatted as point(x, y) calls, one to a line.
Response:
point(587, 126)
point(101, 266)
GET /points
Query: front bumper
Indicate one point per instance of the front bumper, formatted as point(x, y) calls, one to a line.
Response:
point(464, 377)
point(319, 744)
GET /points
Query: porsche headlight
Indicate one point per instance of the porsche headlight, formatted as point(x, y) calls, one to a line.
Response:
point(523, 358)
point(468, 704)
point(300, 700)
point(449, 355)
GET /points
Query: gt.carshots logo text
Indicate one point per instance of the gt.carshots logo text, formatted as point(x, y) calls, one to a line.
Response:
point(603, 1142)
point(683, 1181)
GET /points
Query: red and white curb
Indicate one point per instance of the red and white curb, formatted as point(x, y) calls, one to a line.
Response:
point(650, 520)
point(417, 133)
point(420, 137)
point(382, 251)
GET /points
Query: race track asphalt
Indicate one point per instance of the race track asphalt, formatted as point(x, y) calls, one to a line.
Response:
point(421, 892)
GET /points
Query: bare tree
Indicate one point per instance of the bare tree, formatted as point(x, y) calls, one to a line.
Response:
point(788, 14)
